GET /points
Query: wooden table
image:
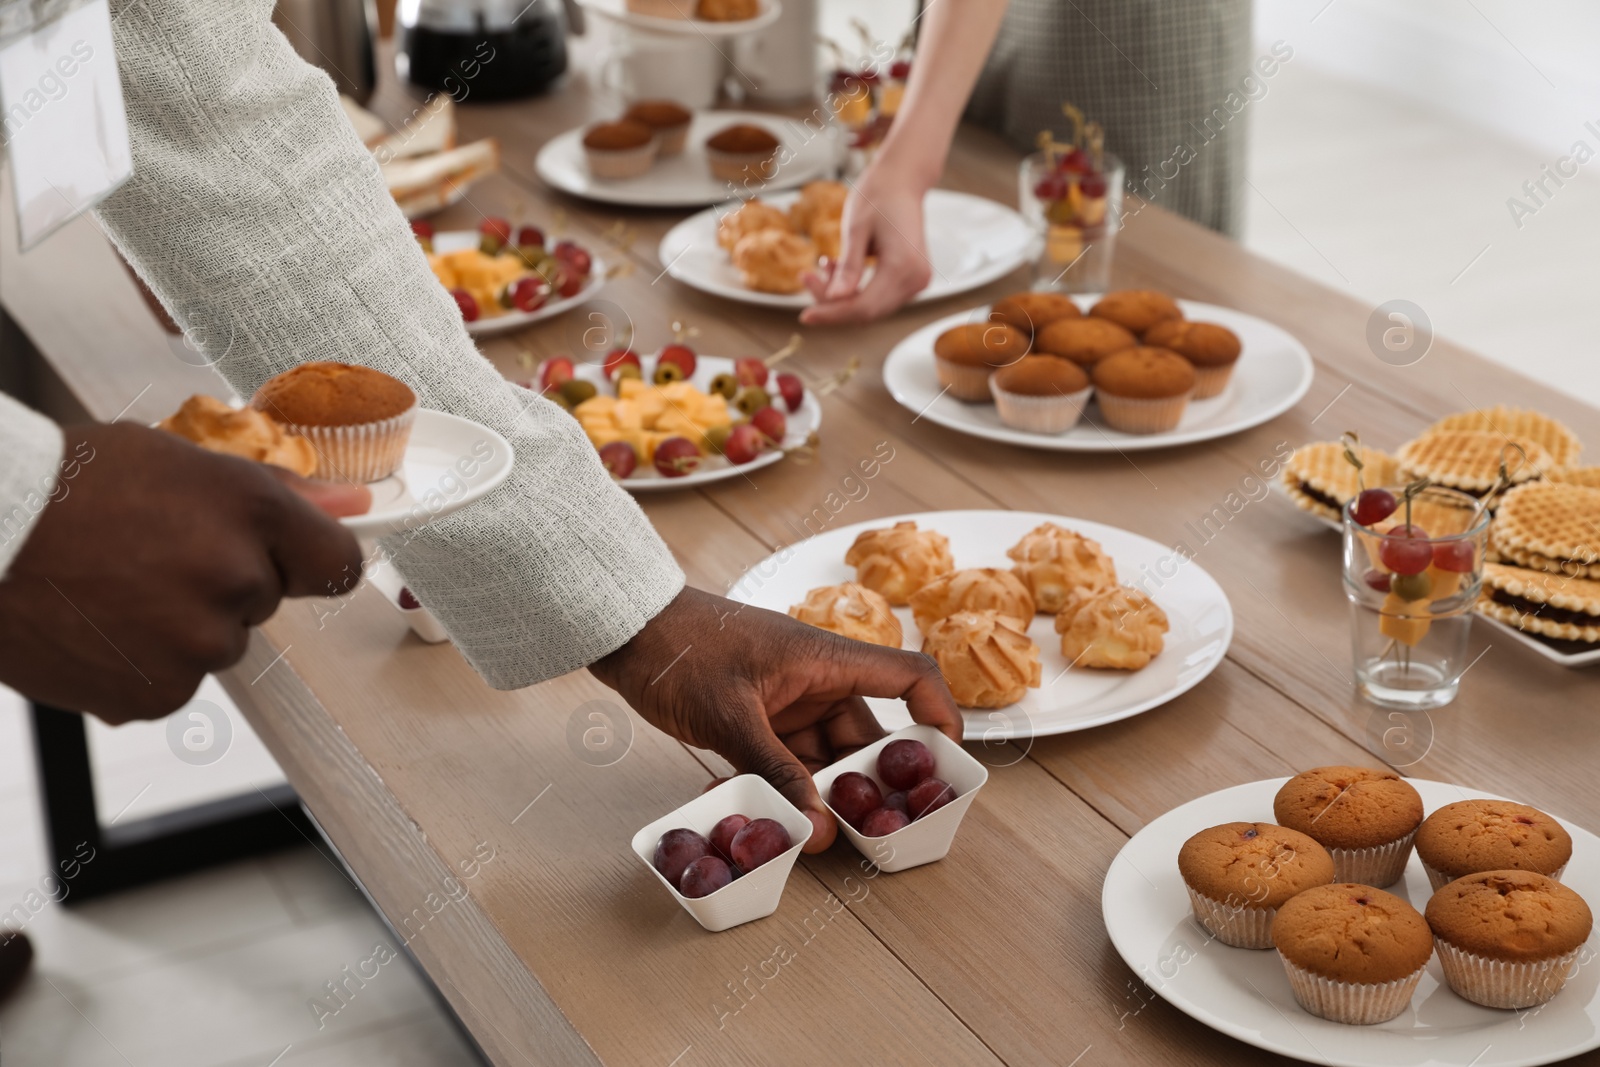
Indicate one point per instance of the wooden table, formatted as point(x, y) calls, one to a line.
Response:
point(567, 951)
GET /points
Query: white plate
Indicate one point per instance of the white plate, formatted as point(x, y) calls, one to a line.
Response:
point(450, 462)
point(617, 10)
point(1273, 373)
point(1197, 609)
point(972, 241)
point(685, 180)
point(802, 424)
point(456, 240)
point(1572, 654)
point(1244, 993)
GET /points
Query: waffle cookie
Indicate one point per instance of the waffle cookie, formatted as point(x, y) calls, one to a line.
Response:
point(1550, 526)
point(1320, 480)
point(1588, 476)
point(1469, 460)
point(1521, 425)
point(1538, 602)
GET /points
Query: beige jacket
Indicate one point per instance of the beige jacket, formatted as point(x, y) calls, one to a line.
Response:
point(255, 209)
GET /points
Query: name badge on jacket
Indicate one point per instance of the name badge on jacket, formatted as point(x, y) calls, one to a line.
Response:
point(62, 121)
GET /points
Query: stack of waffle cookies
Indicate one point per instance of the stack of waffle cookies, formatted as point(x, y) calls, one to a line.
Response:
point(1543, 574)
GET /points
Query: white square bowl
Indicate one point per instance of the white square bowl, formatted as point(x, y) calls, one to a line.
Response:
point(925, 839)
point(754, 894)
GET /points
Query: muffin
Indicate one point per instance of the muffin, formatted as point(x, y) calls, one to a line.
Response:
point(966, 355)
point(669, 120)
point(1143, 390)
point(1055, 563)
point(742, 153)
point(726, 10)
point(1084, 341)
point(357, 419)
point(974, 589)
point(899, 560)
point(1040, 394)
point(1118, 628)
point(1240, 873)
point(1136, 310)
point(618, 150)
point(1508, 939)
point(850, 610)
point(1211, 348)
point(1353, 954)
point(1491, 835)
point(987, 659)
point(1365, 818)
point(1031, 312)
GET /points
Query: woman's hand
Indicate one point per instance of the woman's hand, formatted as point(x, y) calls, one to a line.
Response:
point(773, 696)
point(883, 219)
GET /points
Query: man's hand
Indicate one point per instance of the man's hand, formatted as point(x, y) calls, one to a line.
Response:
point(148, 568)
point(773, 696)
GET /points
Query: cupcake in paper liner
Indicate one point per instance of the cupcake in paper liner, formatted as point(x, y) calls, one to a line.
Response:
point(1240, 873)
point(357, 420)
point(965, 356)
point(1040, 394)
point(1491, 835)
point(1211, 349)
point(1365, 817)
point(1353, 953)
point(1508, 939)
point(1143, 390)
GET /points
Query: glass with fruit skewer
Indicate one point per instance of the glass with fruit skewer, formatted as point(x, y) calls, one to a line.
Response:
point(1413, 569)
point(1072, 194)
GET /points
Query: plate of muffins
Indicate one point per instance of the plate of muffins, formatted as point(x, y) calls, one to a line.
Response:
point(759, 251)
point(660, 154)
point(703, 18)
point(1542, 582)
point(1131, 370)
point(1350, 916)
point(340, 422)
point(1040, 624)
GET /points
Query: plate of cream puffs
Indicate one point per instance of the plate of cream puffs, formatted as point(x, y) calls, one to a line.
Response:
point(1041, 624)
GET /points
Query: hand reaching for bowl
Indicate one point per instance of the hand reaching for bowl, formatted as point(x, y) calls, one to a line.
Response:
point(773, 696)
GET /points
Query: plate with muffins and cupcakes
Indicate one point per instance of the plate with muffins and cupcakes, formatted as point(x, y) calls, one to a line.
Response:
point(703, 18)
point(1349, 916)
point(1041, 624)
point(353, 425)
point(759, 251)
point(660, 154)
point(1130, 370)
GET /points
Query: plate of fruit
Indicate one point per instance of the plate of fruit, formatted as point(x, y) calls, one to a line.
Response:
point(678, 419)
point(505, 277)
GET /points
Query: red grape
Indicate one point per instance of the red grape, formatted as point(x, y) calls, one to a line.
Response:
point(792, 389)
point(553, 372)
point(467, 303)
point(676, 457)
point(723, 833)
point(760, 841)
point(530, 236)
point(682, 355)
point(744, 443)
point(408, 599)
point(569, 283)
point(772, 423)
point(929, 795)
point(619, 459)
point(526, 294)
point(1406, 550)
point(853, 795)
point(897, 800)
point(573, 257)
point(1377, 579)
point(900, 70)
point(704, 876)
point(1050, 188)
point(494, 226)
point(1456, 556)
point(883, 822)
point(676, 850)
point(748, 370)
point(422, 227)
point(1093, 186)
point(1372, 505)
point(1075, 161)
point(618, 358)
point(904, 763)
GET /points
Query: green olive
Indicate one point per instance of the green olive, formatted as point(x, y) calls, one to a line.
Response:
point(576, 391)
point(717, 436)
point(626, 370)
point(559, 401)
point(1411, 586)
point(752, 399)
point(726, 385)
point(667, 373)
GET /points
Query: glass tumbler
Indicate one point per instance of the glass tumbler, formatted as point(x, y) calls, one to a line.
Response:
point(1077, 214)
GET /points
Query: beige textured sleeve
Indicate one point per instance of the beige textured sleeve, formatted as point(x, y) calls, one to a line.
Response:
point(30, 457)
point(258, 218)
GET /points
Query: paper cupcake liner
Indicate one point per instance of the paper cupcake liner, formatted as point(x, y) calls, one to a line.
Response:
point(1437, 879)
point(963, 382)
point(1380, 866)
point(670, 141)
point(1357, 1003)
point(1209, 381)
point(738, 167)
point(1503, 983)
point(367, 452)
point(660, 9)
point(1141, 415)
point(1239, 926)
point(1040, 414)
point(612, 164)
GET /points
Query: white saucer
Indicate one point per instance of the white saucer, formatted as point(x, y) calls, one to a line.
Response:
point(450, 462)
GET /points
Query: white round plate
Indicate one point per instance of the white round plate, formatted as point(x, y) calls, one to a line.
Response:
point(456, 240)
point(685, 180)
point(802, 424)
point(972, 241)
point(1068, 699)
point(1244, 993)
point(1273, 373)
point(450, 462)
point(617, 10)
